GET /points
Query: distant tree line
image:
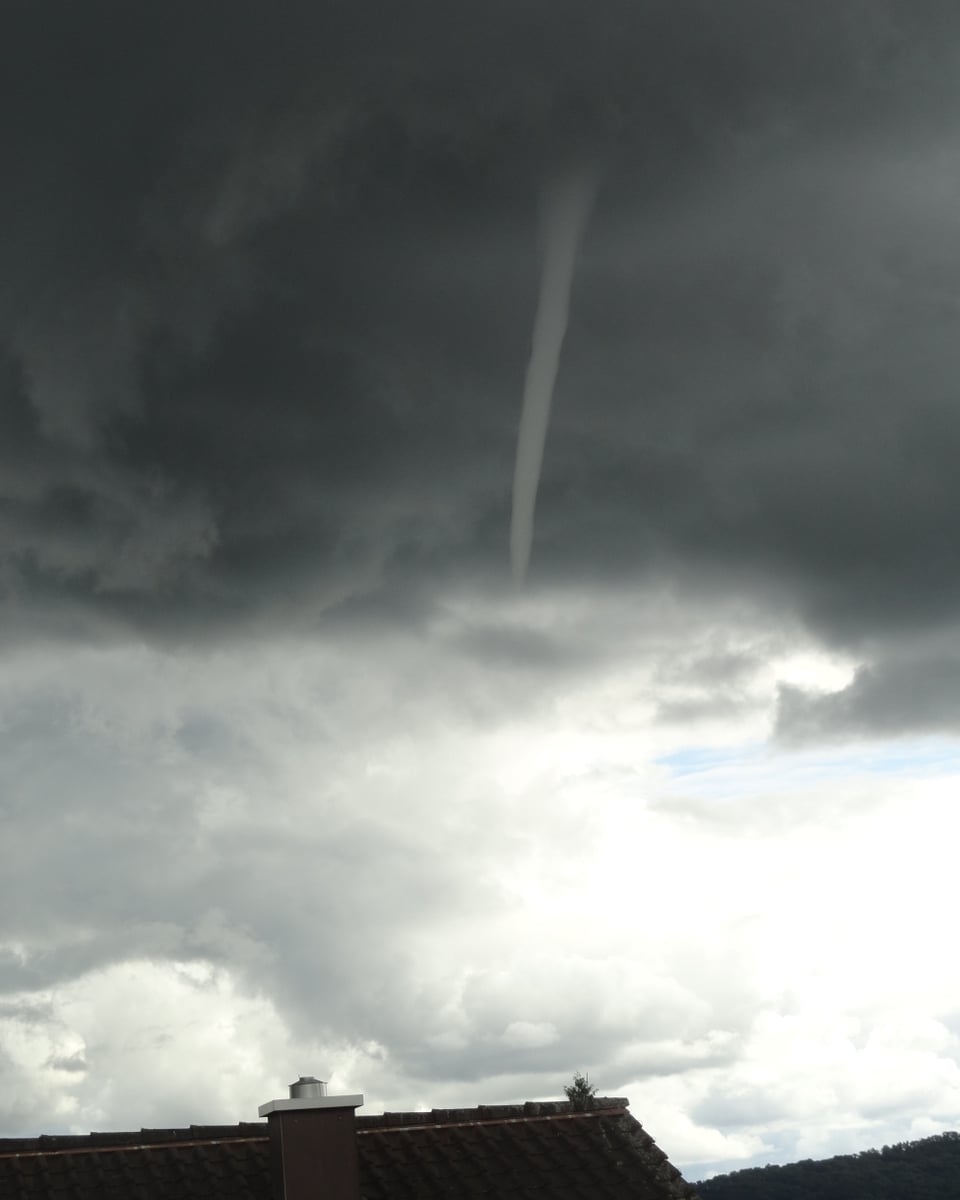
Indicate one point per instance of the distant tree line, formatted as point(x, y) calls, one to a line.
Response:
point(923, 1170)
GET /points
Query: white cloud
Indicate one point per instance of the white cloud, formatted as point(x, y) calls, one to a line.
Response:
point(368, 876)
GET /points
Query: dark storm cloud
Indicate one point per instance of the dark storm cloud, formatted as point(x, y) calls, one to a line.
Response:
point(899, 694)
point(269, 280)
point(521, 646)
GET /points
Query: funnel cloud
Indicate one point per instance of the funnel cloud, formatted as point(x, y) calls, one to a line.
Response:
point(565, 208)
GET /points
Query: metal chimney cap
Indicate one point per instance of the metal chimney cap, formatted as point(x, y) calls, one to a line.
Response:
point(309, 1103)
point(307, 1086)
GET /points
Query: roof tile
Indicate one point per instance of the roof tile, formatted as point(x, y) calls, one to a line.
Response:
point(534, 1151)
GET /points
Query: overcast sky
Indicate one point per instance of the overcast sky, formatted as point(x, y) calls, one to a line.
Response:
point(294, 776)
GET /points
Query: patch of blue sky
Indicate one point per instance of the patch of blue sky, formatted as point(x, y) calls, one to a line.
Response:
point(731, 770)
point(693, 760)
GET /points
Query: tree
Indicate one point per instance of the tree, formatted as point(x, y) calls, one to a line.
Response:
point(580, 1093)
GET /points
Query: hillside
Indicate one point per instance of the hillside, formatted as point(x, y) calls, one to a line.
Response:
point(923, 1170)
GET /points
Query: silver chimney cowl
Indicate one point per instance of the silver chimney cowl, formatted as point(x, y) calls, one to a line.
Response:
point(307, 1087)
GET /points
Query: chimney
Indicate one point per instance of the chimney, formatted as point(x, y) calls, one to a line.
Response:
point(313, 1143)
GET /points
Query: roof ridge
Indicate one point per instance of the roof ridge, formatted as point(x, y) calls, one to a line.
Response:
point(117, 1148)
point(488, 1114)
point(484, 1112)
point(129, 1139)
point(407, 1127)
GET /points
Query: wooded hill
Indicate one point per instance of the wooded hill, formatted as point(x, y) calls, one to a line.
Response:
point(924, 1170)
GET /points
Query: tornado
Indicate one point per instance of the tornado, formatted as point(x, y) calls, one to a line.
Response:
point(565, 207)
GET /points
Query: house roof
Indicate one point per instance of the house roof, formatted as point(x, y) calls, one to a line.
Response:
point(516, 1152)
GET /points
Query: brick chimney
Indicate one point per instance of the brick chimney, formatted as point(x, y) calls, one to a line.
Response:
point(313, 1143)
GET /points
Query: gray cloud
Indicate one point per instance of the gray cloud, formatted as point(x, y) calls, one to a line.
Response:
point(271, 324)
point(899, 695)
